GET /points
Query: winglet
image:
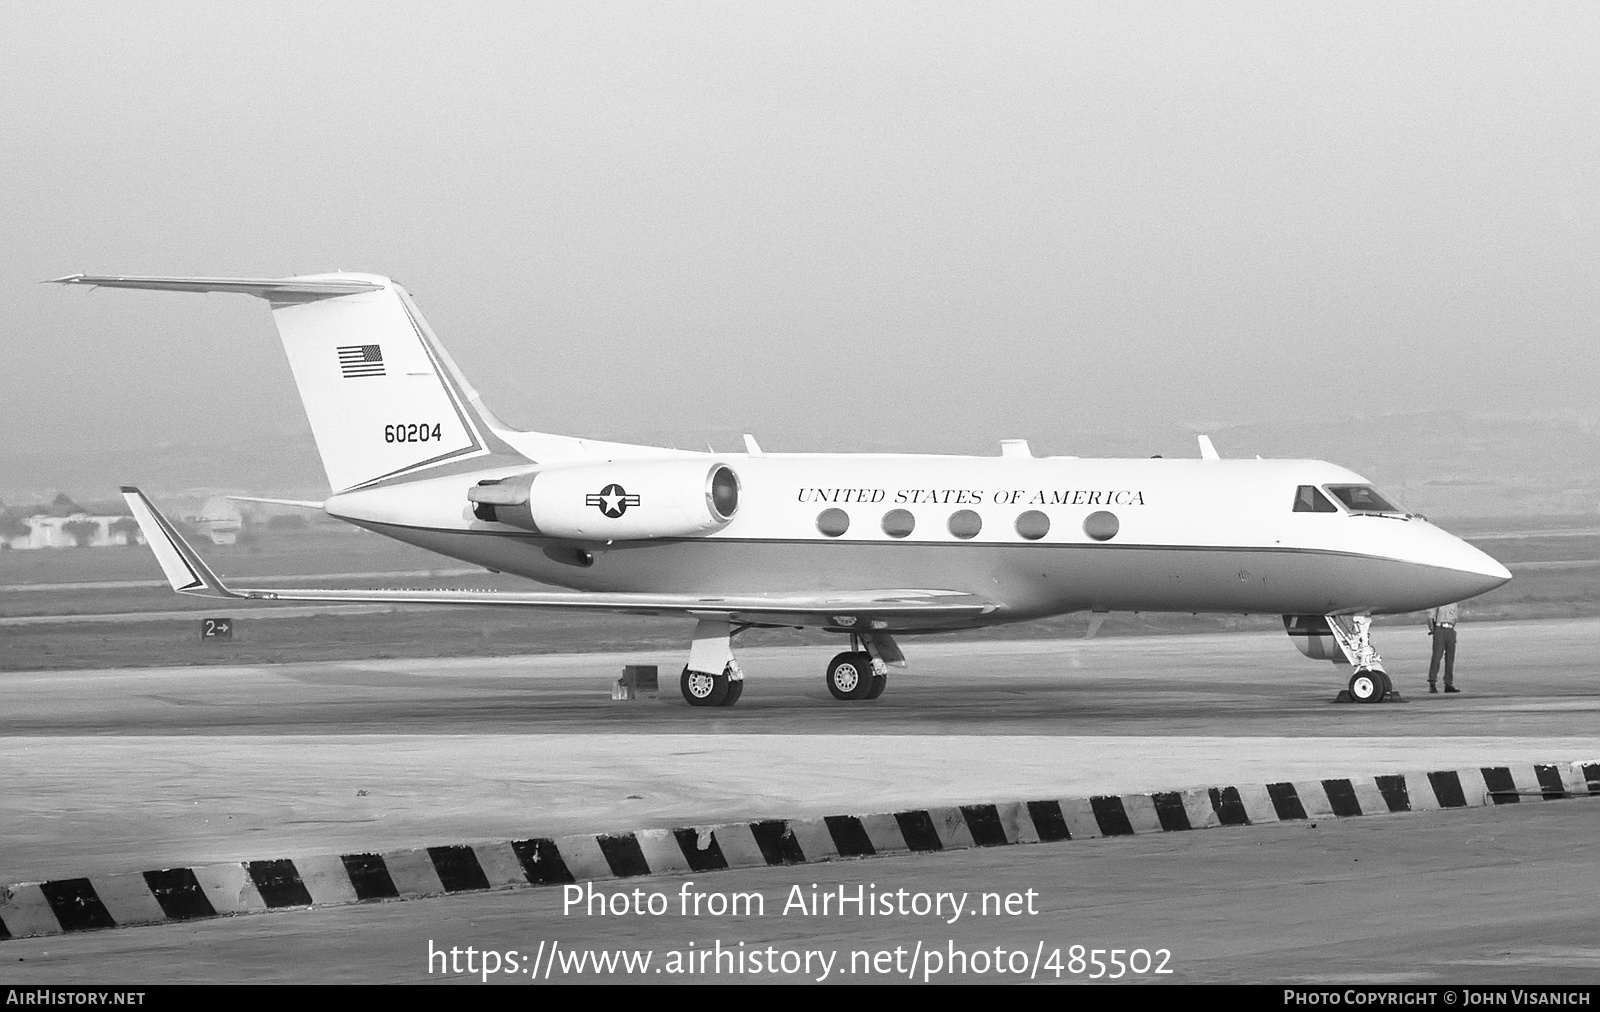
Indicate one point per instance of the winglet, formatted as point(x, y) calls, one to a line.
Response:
point(1207, 451)
point(183, 568)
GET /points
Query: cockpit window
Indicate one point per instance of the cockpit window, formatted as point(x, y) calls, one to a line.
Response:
point(1362, 499)
point(1309, 499)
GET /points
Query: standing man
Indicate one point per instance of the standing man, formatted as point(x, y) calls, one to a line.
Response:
point(1442, 627)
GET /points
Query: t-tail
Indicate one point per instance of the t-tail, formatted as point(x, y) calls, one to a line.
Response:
point(384, 399)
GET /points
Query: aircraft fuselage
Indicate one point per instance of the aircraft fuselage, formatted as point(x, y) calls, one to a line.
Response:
point(1036, 536)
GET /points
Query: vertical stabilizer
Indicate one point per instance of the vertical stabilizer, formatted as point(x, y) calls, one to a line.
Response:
point(383, 398)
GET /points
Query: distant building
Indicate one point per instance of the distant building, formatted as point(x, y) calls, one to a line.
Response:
point(219, 519)
point(67, 524)
point(77, 530)
point(64, 524)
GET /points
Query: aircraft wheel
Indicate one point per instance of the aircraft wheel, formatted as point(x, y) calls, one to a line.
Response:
point(702, 689)
point(879, 683)
point(1368, 686)
point(850, 675)
point(735, 690)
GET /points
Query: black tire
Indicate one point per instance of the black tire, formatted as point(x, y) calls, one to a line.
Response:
point(701, 689)
point(879, 683)
point(1368, 686)
point(850, 675)
point(735, 690)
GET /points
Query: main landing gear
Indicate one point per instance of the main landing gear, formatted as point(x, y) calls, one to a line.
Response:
point(712, 676)
point(850, 676)
point(862, 672)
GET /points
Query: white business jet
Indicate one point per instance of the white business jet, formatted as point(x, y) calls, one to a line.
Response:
point(866, 545)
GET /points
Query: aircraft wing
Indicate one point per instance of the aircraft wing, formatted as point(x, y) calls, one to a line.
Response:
point(189, 574)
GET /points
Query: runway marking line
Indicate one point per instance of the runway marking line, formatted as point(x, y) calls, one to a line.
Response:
point(61, 906)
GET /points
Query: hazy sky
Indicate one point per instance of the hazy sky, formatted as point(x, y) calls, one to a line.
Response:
point(831, 224)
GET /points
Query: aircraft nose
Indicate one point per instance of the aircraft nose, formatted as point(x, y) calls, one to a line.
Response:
point(1471, 571)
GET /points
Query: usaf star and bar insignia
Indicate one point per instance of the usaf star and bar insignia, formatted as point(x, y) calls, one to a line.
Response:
point(613, 500)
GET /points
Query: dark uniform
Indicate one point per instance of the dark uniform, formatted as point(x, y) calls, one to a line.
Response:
point(1442, 627)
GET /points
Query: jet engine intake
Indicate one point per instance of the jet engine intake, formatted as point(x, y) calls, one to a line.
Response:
point(614, 501)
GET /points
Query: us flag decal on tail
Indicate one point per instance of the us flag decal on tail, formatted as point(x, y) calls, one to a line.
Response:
point(360, 360)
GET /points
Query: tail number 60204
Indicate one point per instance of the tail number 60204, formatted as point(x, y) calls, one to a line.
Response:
point(414, 432)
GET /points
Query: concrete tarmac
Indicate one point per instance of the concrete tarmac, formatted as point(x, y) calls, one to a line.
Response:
point(125, 770)
point(1474, 896)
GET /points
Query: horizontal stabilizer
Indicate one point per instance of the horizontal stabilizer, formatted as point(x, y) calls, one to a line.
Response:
point(189, 575)
point(279, 290)
point(384, 398)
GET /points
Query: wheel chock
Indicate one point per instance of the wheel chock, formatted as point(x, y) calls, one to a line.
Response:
point(1393, 697)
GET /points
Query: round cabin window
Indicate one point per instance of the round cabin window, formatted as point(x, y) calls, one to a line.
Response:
point(833, 522)
point(965, 524)
point(1101, 525)
point(899, 523)
point(1033, 525)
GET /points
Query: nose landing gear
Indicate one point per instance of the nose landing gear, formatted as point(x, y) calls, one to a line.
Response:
point(1370, 686)
point(1370, 683)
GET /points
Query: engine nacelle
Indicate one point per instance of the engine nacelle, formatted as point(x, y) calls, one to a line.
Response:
point(615, 501)
point(1311, 634)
